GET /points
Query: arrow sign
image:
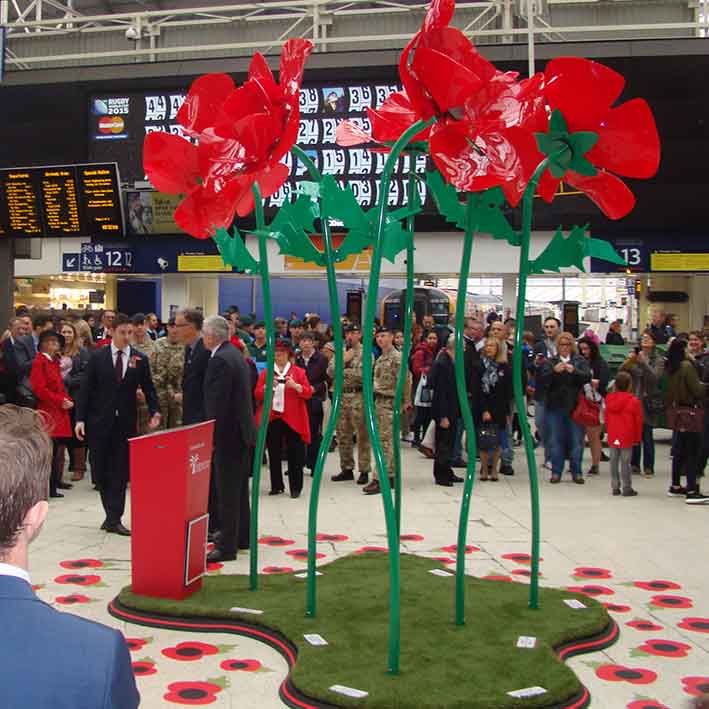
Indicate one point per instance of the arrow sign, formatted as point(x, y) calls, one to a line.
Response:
point(71, 262)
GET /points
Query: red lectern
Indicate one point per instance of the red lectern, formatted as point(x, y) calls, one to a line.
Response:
point(169, 490)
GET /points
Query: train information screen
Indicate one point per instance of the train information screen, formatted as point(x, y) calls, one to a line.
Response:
point(61, 200)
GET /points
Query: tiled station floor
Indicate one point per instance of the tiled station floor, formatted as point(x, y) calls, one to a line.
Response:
point(648, 557)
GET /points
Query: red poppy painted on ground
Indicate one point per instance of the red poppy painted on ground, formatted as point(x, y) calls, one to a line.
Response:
point(453, 548)
point(369, 550)
point(644, 625)
point(495, 577)
point(242, 134)
point(646, 704)
point(590, 590)
point(142, 668)
point(78, 580)
point(663, 648)
point(73, 599)
point(411, 538)
point(194, 693)
point(303, 554)
point(192, 651)
point(82, 564)
point(696, 625)
point(520, 558)
point(276, 541)
point(591, 572)
point(331, 537)
point(657, 585)
point(696, 686)
point(444, 559)
point(628, 145)
point(240, 665)
point(671, 602)
point(277, 570)
point(621, 673)
point(135, 644)
point(617, 608)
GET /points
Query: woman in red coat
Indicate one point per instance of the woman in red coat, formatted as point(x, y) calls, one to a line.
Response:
point(289, 419)
point(53, 401)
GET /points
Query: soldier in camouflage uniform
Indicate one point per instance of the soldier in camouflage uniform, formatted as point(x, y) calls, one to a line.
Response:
point(142, 343)
point(166, 365)
point(351, 419)
point(386, 373)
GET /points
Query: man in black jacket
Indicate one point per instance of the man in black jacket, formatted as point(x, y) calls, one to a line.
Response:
point(445, 411)
point(315, 365)
point(189, 327)
point(106, 414)
point(227, 400)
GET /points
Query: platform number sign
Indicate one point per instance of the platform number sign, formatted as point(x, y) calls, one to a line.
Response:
point(117, 260)
point(632, 254)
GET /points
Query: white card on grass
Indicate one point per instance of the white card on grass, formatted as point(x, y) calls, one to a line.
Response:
point(349, 691)
point(315, 639)
point(440, 572)
point(574, 603)
point(304, 574)
point(526, 641)
point(253, 611)
point(527, 692)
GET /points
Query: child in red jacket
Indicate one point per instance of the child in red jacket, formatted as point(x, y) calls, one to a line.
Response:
point(624, 424)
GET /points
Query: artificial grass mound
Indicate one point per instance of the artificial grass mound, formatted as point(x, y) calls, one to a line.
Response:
point(443, 666)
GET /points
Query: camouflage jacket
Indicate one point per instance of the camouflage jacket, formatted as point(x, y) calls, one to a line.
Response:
point(166, 364)
point(386, 372)
point(352, 376)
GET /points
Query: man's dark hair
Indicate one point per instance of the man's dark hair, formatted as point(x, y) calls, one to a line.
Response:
point(551, 317)
point(138, 319)
point(623, 381)
point(24, 468)
point(307, 336)
point(40, 320)
point(193, 317)
point(122, 319)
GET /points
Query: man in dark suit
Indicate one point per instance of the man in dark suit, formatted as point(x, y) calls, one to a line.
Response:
point(24, 353)
point(84, 665)
point(104, 330)
point(106, 414)
point(227, 400)
point(315, 365)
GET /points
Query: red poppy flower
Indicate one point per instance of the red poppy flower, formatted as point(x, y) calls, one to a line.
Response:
point(617, 608)
point(524, 572)
point(444, 559)
point(494, 577)
point(590, 572)
point(275, 541)
point(73, 599)
point(78, 580)
point(453, 548)
point(697, 625)
point(520, 558)
point(657, 585)
point(628, 145)
point(278, 570)
point(645, 625)
point(620, 673)
point(81, 564)
point(331, 537)
point(589, 590)
point(696, 686)
point(646, 704)
point(141, 668)
point(192, 692)
point(411, 538)
point(241, 665)
point(135, 644)
point(190, 651)
point(303, 554)
point(242, 133)
point(664, 648)
point(367, 550)
point(671, 602)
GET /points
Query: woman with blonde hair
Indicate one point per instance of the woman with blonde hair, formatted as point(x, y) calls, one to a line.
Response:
point(85, 336)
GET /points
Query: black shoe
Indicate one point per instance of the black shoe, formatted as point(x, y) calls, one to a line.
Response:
point(507, 470)
point(629, 493)
point(54, 493)
point(373, 488)
point(677, 491)
point(593, 470)
point(104, 526)
point(363, 479)
point(342, 476)
point(295, 494)
point(117, 528)
point(635, 469)
point(616, 492)
point(445, 483)
point(578, 479)
point(696, 498)
point(333, 445)
point(459, 463)
point(604, 457)
point(456, 479)
point(219, 555)
point(61, 485)
point(244, 547)
point(276, 492)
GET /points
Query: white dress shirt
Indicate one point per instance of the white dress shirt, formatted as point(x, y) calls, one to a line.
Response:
point(125, 357)
point(10, 570)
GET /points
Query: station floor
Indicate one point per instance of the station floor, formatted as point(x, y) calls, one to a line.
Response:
point(644, 556)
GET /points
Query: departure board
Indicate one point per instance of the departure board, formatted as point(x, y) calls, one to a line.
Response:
point(61, 200)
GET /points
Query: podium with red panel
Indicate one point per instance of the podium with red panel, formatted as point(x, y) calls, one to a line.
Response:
point(169, 479)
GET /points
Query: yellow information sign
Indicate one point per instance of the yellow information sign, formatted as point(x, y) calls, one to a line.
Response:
point(679, 262)
point(201, 263)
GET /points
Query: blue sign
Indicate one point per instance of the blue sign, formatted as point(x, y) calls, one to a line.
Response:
point(71, 263)
point(91, 258)
point(116, 259)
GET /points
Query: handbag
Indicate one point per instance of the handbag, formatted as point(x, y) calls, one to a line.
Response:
point(424, 393)
point(685, 419)
point(586, 413)
point(488, 436)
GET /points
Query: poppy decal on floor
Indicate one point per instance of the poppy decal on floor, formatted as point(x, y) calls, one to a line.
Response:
point(73, 599)
point(143, 667)
point(276, 541)
point(696, 686)
point(191, 651)
point(82, 564)
point(645, 625)
point(589, 590)
point(234, 665)
point(444, 559)
point(277, 570)
point(591, 572)
point(497, 577)
point(214, 566)
point(195, 692)
point(520, 558)
point(671, 602)
point(696, 625)
point(79, 580)
point(135, 644)
point(453, 548)
point(368, 550)
point(620, 673)
point(332, 537)
point(411, 537)
point(524, 572)
point(303, 554)
point(617, 608)
point(646, 704)
point(662, 648)
point(656, 585)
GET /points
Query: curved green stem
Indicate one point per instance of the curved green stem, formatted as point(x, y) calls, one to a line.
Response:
point(367, 383)
point(470, 228)
point(406, 350)
point(311, 598)
point(268, 390)
point(527, 210)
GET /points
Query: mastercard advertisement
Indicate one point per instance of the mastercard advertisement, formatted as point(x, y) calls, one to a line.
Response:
point(110, 117)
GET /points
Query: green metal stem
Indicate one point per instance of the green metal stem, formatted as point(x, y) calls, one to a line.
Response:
point(311, 597)
point(471, 440)
point(406, 350)
point(527, 211)
point(367, 383)
point(268, 390)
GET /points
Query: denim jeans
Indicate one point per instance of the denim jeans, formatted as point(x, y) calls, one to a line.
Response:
point(541, 424)
point(566, 441)
point(508, 453)
point(458, 439)
point(647, 446)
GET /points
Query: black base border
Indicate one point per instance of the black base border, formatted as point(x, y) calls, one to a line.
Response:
point(293, 697)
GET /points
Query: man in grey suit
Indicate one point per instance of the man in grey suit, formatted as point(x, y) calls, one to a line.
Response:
point(25, 351)
point(227, 400)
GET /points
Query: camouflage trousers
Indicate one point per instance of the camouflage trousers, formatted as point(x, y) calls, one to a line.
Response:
point(170, 412)
point(385, 421)
point(143, 417)
point(349, 422)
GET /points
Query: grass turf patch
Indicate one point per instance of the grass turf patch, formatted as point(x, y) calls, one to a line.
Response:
point(443, 666)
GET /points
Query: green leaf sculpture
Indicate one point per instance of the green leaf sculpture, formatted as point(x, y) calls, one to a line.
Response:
point(292, 227)
point(234, 252)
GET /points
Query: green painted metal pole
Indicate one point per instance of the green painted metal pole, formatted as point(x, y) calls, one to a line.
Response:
point(471, 440)
point(268, 390)
point(367, 383)
point(311, 595)
point(406, 349)
point(520, 399)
